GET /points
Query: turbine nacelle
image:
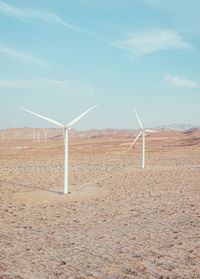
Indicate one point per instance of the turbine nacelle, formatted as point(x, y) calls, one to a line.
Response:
point(150, 131)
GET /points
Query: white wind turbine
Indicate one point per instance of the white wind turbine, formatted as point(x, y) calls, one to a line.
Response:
point(142, 132)
point(66, 129)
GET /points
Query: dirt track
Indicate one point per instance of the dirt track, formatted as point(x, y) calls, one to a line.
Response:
point(119, 221)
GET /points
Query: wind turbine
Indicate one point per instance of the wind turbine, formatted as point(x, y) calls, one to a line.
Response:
point(66, 129)
point(142, 132)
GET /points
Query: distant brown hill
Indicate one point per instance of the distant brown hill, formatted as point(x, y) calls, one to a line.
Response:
point(188, 137)
point(27, 133)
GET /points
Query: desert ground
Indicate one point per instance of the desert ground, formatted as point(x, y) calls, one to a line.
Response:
point(118, 221)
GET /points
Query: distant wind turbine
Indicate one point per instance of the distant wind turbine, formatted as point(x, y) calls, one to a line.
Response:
point(66, 129)
point(33, 134)
point(38, 135)
point(45, 135)
point(142, 132)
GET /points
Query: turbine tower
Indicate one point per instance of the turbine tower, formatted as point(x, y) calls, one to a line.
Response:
point(45, 135)
point(33, 134)
point(66, 129)
point(142, 132)
point(38, 135)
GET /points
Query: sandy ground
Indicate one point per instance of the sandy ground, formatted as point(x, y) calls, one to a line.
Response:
point(119, 220)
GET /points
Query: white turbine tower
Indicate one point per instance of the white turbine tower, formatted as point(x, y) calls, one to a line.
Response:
point(142, 132)
point(66, 129)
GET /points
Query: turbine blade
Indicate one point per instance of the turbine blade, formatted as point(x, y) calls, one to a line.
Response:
point(134, 140)
point(151, 131)
point(79, 117)
point(43, 117)
point(138, 118)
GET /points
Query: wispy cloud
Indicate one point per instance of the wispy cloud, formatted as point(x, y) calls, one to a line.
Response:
point(23, 13)
point(151, 1)
point(179, 82)
point(26, 14)
point(19, 84)
point(147, 42)
point(74, 87)
point(21, 55)
point(49, 85)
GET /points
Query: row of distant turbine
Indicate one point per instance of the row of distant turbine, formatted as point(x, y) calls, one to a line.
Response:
point(68, 126)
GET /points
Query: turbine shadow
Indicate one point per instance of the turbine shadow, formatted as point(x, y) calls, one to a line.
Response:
point(30, 186)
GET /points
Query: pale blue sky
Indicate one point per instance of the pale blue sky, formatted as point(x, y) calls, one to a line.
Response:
point(58, 58)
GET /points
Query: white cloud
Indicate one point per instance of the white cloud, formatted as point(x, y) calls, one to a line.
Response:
point(151, 1)
point(147, 42)
point(21, 55)
point(20, 83)
point(179, 82)
point(74, 87)
point(49, 85)
point(22, 13)
point(27, 13)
